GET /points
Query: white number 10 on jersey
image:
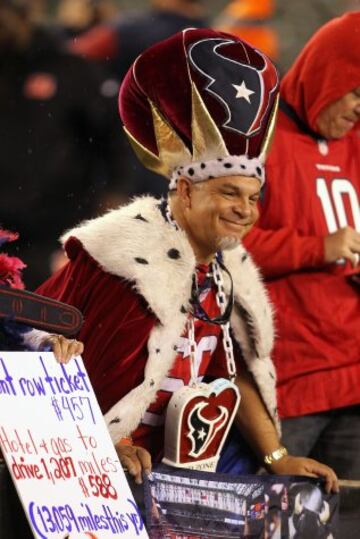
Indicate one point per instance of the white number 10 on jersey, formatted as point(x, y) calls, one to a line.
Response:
point(333, 203)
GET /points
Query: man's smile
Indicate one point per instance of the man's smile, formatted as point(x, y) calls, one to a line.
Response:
point(236, 224)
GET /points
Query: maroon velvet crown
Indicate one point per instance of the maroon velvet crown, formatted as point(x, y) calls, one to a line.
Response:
point(237, 83)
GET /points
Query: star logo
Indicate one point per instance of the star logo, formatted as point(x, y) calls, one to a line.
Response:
point(243, 91)
point(201, 434)
point(246, 100)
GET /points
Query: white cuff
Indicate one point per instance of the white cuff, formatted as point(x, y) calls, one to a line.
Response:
point(33, 340)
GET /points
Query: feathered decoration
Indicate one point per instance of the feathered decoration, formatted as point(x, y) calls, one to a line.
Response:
point(11, 333)
point(10, 266)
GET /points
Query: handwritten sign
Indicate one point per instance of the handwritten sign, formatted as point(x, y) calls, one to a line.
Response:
point(59, 453)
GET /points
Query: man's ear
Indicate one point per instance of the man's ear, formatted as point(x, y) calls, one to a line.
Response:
point(184, 188)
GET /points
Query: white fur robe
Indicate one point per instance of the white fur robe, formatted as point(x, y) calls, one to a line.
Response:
point(135, 242)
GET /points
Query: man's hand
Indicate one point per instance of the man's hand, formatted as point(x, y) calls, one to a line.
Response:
point(344, 243)
point(135, 459)
point(290, 465)
point(64, 349)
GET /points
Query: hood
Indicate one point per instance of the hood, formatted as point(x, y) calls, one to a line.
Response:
point(326, 69)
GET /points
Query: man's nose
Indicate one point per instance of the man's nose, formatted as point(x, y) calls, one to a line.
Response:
point(243, 208)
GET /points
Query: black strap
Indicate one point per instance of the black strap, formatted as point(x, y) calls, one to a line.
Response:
point(290, 113)
point(39, 312)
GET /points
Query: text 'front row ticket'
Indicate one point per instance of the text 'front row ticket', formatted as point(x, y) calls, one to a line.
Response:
point(59, 452)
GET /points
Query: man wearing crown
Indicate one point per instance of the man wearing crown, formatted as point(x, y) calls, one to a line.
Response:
point(169, 294)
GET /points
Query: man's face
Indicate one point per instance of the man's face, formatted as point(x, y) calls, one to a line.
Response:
point(221, 211)
point(338, 118)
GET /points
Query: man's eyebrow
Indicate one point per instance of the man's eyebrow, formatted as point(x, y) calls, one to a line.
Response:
point(230, 186)
point(237, 189)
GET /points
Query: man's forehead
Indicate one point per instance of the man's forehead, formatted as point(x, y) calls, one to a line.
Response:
point(235, 182)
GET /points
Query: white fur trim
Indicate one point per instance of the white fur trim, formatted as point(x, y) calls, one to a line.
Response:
point(233, 165)
point(34, 339)
point(135, 242)
point(119, 239)
point(252, 324)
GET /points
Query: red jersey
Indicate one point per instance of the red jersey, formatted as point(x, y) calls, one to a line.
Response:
point(150, 433)
point(312, 189)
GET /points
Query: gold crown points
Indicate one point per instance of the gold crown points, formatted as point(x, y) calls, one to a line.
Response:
point(270, 131)
point(207, 141)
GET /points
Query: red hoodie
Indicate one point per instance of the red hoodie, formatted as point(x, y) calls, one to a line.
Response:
point(312, 189)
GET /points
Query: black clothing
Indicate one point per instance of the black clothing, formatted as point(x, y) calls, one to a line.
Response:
point(54, 146)
point(136, 31)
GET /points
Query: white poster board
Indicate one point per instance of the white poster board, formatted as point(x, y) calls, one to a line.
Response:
point(59, 452)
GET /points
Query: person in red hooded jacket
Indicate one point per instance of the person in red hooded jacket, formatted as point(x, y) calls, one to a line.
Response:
point(307, 243)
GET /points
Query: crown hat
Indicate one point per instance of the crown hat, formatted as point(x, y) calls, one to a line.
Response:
point(201, 104)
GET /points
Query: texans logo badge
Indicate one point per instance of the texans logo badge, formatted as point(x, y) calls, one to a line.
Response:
point(243, 98)
point(197, 422)
point(202, 430)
